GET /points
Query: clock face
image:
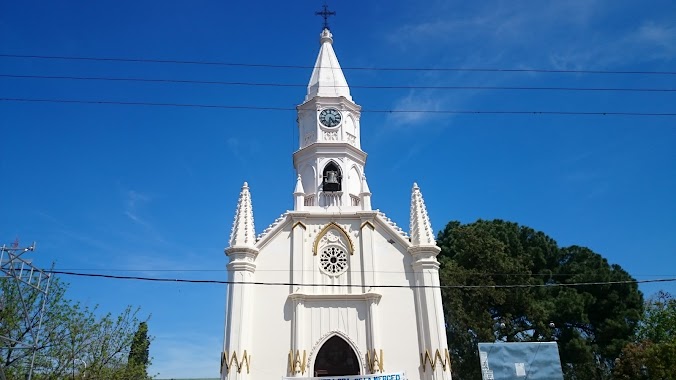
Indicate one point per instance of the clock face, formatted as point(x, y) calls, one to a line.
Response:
point(330, 117)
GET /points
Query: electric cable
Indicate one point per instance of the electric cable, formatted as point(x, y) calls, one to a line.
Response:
point(365, 271)
point(264, 283)
point(266, 108)
point(277, 66)
point(373, 87)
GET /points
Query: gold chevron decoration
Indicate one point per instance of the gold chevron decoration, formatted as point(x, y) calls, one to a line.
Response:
point(374, 361)
point(443, 358)
point(230, 361)
point(296, 365)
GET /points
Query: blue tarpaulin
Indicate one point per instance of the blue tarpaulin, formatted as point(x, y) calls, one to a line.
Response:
point(520, 361)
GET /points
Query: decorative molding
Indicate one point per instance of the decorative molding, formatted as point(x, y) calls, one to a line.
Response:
point(392, 224)
point(242, 234)
point(330, 135)
point(327, 228)
point(373, 297)
point(420, 230)
point(444, 360)
point(229, 361)
point(309, 200)
point(299, 224)
point(296, 364)
point(274, 224)
point(375, 362)
point(367, 223)
point(331, 198)
point(351, 139)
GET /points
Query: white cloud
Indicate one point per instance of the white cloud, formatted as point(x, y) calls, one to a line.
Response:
point(132, 202)
point(570, 34)
point(415, 101)
point(577, 34)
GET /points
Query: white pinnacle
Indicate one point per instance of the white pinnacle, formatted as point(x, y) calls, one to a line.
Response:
point(364, 186)
point(299, 186)
point(327, 77)
point(243, 234)
point(420, 229)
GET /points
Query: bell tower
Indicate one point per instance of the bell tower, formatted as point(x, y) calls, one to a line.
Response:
point(329, 162)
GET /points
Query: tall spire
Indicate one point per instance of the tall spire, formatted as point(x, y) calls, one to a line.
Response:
point(327, 77)
point(243, 234)
point(420, 229)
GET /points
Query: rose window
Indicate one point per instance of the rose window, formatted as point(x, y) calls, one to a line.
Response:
point(333, 260)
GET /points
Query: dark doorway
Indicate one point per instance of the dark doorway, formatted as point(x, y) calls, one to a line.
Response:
point(336, 358)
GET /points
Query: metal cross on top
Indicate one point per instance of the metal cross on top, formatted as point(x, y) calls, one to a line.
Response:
point(325, 13)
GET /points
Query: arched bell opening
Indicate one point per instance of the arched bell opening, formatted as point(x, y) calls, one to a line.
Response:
point(336, 358)
point(332, 177)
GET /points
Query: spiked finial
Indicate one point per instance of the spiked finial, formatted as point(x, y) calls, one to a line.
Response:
point(420, 229)
point(243, 234)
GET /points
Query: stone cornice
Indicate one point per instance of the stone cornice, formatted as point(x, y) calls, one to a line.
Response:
point(329, 150)
point(370, 296)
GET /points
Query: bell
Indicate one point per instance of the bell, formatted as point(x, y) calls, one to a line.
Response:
point(331, 177)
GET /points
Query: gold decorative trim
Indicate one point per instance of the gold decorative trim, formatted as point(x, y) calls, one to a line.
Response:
point(296, 365)
point(299, 224)
point(228, 361)
point(324, 230)
point(444, 360)
point(374, 361)
point(367, 223)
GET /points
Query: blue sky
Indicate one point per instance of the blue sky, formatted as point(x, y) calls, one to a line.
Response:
point(151, 191)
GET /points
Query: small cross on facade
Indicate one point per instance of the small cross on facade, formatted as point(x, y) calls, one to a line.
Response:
point(325, 13)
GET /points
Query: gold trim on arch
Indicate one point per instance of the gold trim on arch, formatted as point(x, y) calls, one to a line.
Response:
point(323, 232)
point(299, 224)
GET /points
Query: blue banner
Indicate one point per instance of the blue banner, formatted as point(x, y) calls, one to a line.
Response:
point(520, 361)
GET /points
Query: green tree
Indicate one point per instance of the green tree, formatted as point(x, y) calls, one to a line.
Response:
point(139, 358)
point(590, 323)
point(653, 354)
point(70, 336)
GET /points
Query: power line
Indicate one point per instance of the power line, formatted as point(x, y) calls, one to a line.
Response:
point(409, 87)
point(262, 65)
point(197, 270)
point(264, 283)
point(266, 108)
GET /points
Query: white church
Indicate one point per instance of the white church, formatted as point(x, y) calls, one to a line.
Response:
point(347, 294)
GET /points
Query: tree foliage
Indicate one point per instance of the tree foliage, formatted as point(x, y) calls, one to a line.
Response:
point(590, 323)
point(652, 356)
point(72, 337)
point(139, 354)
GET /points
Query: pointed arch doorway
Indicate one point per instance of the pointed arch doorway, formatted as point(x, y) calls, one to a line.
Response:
point(336, 358)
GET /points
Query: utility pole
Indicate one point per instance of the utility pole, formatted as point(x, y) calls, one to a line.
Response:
point(25, 278)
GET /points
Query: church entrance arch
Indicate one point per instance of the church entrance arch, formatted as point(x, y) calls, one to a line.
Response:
point(336, 358)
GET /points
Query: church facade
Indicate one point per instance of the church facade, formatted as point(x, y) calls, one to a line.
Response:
point(333, 288)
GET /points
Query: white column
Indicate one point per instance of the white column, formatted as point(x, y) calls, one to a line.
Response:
point(237, 348)
point(373, 345)
point(430, 312)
